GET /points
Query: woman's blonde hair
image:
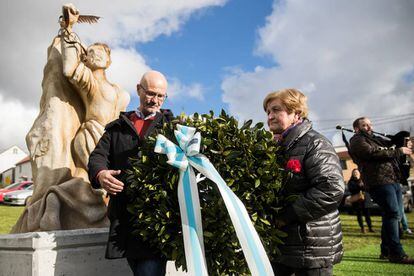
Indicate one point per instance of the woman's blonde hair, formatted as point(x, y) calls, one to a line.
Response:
point(292, 99)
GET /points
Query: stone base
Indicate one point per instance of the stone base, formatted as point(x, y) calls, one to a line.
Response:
point(71, 252)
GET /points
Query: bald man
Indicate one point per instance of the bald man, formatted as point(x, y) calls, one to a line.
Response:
point(107, 169)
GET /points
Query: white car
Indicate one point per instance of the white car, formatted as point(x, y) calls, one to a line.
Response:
point(20, 197)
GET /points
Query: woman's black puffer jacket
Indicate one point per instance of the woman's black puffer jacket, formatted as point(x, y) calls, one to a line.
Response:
point(312, 221)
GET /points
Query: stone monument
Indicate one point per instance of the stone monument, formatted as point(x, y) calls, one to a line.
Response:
point(76, 104)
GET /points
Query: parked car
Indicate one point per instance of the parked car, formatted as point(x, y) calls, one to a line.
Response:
point(20, 197)
point(14, 187)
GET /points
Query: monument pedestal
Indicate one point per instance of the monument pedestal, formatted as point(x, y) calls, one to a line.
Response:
point(70, 252)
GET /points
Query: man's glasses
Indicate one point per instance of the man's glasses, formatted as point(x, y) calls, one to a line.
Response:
point(152, 95)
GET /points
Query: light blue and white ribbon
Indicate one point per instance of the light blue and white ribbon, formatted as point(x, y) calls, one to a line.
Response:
point(184, 157)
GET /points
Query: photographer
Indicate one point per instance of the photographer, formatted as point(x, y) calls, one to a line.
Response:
point(378, 163)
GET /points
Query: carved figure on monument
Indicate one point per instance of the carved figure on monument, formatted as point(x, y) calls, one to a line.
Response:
point(76, 104)
point(103, 100)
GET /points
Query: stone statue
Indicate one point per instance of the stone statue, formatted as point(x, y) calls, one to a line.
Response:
point(76, 104)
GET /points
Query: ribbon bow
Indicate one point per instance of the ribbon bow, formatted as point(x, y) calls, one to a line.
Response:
point(185, 157)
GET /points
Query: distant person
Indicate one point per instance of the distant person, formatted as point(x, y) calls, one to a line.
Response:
point(378, 163)
point(404, 221)
point(400, 139)
point(355, 186)
point(314, 241)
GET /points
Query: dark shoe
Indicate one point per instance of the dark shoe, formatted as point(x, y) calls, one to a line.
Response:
point(362, 230)
point(402, 260)
point(383, 256)
point(371, 230)
point(408, 231)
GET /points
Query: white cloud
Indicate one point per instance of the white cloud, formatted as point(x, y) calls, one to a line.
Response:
point(16, 121)
point(28, 28)
point(127, 68)
point(196, 91)
point(134, 21)
point(178, 90)
point(349, 57)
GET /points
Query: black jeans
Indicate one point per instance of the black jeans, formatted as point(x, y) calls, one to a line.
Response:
point(148, 267)
point(360, 209)
point(283, 270)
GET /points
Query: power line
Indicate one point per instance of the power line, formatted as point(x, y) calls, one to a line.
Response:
point(375, 123)
point(371, 117)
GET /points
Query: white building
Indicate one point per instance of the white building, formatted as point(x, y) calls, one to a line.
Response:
point(8, 160)
point(23, 169)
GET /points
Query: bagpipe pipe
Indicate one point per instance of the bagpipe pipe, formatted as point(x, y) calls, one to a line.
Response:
point(398, 140)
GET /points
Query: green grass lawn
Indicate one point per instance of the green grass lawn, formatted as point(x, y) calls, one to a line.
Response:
point(362, 250)
point(8, 217)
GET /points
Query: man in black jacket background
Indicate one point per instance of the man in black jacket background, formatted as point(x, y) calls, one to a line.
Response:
point(378, 163)
point(314, 241)
point(107, 169)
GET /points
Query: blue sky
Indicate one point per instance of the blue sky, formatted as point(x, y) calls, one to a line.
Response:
point(351, 58)
point(210, 43)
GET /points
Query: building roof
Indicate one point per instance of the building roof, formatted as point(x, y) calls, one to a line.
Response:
point(24, 160)
point(342, 152)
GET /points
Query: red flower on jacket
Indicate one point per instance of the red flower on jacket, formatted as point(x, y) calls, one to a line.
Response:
point(294, 166)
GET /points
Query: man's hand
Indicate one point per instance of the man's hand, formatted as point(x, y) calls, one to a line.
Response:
point(406, 150)
point(109, 183)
